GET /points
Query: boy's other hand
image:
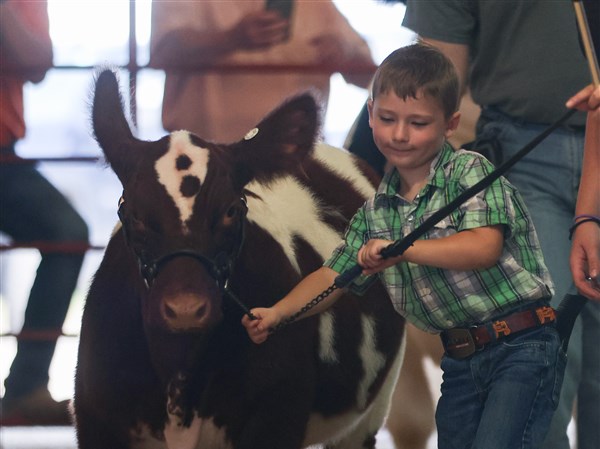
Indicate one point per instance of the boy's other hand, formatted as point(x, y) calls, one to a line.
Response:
point(258, 329)
point(370, 258)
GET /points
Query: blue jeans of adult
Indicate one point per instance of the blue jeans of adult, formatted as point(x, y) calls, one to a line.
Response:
point(504, 396)
point(548, 179)
point(31, 209)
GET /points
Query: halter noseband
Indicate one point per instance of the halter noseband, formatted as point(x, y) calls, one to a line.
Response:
point(219, 268)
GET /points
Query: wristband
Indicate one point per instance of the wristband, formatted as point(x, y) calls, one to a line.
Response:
point(577, 217)
point(584, 218)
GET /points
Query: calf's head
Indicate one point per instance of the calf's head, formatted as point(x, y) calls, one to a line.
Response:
point(183, 205)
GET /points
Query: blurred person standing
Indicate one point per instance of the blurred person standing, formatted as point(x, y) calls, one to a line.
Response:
point(521, 61)
point(224, 106)
point(32, 209)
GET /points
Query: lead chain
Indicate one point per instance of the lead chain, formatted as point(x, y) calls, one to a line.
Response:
point(321, 297)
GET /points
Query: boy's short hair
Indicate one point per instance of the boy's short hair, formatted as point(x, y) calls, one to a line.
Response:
point(416, 67)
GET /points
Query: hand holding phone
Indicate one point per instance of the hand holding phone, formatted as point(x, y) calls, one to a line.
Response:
point(258, 30)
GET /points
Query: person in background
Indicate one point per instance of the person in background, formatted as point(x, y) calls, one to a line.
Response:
point(223, 106)
point(481, 268)
point(521, 60)
point(32, 209)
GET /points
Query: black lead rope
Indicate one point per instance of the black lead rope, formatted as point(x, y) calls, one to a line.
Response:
point(398, 247)
point(231, 295)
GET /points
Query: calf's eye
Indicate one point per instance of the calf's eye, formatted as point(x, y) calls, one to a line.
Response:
point(231, 212)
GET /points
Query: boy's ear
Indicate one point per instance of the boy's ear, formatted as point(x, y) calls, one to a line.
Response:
point(452, 124)
point(370, 109)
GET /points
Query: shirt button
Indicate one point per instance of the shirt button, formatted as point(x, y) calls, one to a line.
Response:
point(450, 322)
point(411, 218)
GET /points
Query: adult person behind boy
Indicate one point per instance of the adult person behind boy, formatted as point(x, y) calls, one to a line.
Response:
point(521, 60)
point(480, 266)
point(31, 209)
point(224, 106)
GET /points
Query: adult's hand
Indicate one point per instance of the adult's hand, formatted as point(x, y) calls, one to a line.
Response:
point(260, 29)
point(587, 99)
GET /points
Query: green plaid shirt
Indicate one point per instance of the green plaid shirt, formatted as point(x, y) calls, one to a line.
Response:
point(435, 299)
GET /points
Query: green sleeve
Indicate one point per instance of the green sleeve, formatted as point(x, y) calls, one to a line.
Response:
point(344, 257)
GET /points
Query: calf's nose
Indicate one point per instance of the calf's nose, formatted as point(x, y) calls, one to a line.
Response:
point(185, 312)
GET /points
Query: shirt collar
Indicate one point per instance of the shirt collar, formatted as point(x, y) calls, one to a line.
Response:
point(390, 184)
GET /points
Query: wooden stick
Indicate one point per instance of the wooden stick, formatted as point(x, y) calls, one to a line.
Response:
point(588, 44)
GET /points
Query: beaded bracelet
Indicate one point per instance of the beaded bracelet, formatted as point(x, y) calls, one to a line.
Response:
point(584, 218)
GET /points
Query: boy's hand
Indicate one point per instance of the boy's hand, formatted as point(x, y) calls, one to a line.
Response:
point(258, 330)
point(370, 258)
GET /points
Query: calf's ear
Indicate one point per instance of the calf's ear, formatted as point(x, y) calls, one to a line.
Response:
point(280, 141)
point(110, 126)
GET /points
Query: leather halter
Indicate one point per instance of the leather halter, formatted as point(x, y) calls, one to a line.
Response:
point(220, 268)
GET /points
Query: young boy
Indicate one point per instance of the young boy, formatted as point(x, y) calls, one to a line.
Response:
point(478, 277)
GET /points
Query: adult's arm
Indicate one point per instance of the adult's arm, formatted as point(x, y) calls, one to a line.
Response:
point(352, 49)
point(458, 54)
point(585, 251)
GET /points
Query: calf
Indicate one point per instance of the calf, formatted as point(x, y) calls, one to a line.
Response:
point(209, 231)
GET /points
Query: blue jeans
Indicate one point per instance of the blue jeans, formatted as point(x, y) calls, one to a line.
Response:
point(548, 179)
point(33, 209)
point(504, 396)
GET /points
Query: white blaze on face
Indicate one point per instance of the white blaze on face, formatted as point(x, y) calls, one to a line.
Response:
point(182, 170)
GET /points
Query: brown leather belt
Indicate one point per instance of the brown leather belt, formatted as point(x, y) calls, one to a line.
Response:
point(460, 343)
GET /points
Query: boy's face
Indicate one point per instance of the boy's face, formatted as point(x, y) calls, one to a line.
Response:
point(410, 133)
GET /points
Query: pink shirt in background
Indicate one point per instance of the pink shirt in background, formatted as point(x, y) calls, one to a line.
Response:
point(223, 107)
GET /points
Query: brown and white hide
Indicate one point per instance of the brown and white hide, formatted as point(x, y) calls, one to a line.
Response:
point(163, 359)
